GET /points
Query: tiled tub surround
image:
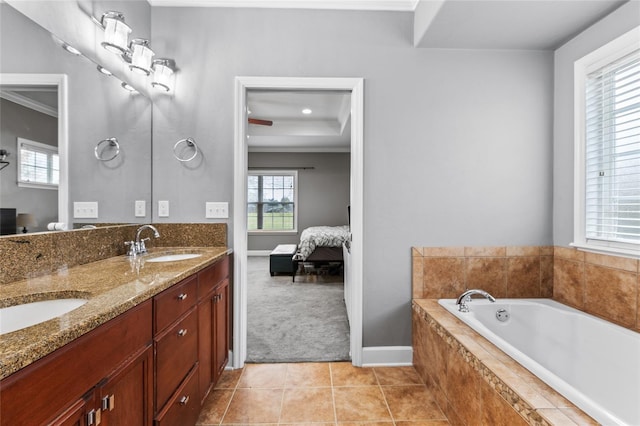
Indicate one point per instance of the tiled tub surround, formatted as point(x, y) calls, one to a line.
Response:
point(446, 349)
point(112, 285)
point(605, 286)
point(475, 383)
point(26, 256)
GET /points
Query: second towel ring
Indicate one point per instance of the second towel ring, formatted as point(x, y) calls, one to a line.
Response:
point(190, 142)
point(111, 142)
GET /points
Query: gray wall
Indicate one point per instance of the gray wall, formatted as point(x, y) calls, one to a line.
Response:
point(323, 193)
point(17, 121)
point(457, 143)
point(98, 108)
point(614, 25)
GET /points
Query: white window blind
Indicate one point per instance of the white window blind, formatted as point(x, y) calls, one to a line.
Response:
point(612, 147)
point(38, 165)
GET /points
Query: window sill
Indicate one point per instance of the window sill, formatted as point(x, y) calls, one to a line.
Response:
point(608, 250)
point(37, 185)
point(291, 232)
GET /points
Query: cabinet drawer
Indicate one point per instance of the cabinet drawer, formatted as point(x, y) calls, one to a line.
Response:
point(173, 302)
point(176, 353)
point(184, 406)
point(210, 277)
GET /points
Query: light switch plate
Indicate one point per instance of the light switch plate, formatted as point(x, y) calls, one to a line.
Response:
point(163, 208)
point(85, 210)
point(216, 210)
point(141, 208)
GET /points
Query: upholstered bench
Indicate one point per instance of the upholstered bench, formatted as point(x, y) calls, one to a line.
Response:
point(281, 259)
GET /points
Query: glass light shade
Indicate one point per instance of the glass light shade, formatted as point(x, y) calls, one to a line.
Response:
point(127, 86)
point(141, 56)
point(162, 74)
point(116, 33)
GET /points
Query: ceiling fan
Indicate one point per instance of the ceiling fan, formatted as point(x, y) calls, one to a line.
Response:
point(260, 122)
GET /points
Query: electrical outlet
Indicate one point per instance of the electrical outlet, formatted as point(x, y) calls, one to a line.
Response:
point(140, 208)
point(216, 210)
point(163, 208)
point(85, 210)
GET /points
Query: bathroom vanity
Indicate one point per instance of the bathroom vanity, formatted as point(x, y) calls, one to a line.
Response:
point(145, 349)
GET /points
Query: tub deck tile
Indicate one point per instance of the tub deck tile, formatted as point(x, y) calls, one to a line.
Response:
point(470, 354)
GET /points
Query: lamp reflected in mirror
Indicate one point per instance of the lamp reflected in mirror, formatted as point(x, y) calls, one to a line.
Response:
point(25, 220)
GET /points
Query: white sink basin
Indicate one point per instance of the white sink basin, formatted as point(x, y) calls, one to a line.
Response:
point(22, 316)
point(174, 257)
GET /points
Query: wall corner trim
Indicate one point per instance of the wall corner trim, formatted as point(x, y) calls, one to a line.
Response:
point(387, 356)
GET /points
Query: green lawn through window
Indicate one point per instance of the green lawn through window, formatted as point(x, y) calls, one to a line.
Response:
point(271, 221)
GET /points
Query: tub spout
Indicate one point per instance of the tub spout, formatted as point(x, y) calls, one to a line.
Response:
point(466, 298)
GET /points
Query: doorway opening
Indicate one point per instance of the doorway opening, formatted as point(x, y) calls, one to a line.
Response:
point(352, 91)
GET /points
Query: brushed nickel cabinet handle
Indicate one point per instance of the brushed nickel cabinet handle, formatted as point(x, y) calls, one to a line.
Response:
point(182, 332)
point(184, 400)
point(182, 296)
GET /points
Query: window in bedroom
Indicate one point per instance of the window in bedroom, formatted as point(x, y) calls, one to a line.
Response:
point(608, 148)
point(272, 198)
point(38, 165)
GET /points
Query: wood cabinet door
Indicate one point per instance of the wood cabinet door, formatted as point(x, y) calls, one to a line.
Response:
point(221, 329)
point(75, 415)
point(126, 397)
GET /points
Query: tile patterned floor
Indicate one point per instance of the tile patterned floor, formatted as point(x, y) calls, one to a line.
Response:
point(321, 394)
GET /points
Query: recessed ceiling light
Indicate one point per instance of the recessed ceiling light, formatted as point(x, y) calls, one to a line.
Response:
point(104, 71)
point(128, 87)
point(71, 49)
point(307, 111)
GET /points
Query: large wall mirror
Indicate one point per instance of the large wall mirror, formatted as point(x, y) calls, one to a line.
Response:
point(68, 133)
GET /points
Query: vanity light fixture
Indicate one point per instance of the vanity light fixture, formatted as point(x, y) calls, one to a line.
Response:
point(141, 56)
point(116, 32)
point(307, 111)
point(163, 70)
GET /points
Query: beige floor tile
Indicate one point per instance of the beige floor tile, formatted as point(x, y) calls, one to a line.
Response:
point(424, 423)
point(214, 407)
point(366, 424)
point(412, 403)
point(229, 379)
point(307, 405)
point(345, 374)
point(388, 376)
point(254, 406)
point(361, 403)
point(263, 376)
point(308, 375)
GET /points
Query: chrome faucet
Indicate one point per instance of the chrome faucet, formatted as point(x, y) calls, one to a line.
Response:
point(466, 298)
point(138, 246)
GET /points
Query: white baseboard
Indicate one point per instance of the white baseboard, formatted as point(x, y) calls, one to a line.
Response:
point(258, 252)
point(387, 356)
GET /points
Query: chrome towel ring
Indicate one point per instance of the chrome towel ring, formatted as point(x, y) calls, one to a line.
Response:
point(113, 142)
point(189, 143)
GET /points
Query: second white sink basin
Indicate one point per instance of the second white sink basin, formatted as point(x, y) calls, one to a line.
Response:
point(17, 317)
point(174, 257)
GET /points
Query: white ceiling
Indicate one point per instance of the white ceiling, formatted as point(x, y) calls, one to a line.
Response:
point(507, 24)
point(326, 128)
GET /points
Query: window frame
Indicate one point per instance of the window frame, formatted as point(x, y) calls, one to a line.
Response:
point(275, 172)
point(50, 150)
point(608, 53)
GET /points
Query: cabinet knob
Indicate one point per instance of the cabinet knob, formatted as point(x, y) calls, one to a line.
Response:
point(182, 332)
point(182, 296)
point(184, 400)
point(108, 402)
point(94, 417)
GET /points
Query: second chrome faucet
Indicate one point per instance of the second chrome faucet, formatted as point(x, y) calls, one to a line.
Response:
point(138, 246)
point(465, 298)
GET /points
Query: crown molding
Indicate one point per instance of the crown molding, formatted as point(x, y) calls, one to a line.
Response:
point(377, 5)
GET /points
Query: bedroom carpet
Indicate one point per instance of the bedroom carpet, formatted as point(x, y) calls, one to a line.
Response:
point(300, 321)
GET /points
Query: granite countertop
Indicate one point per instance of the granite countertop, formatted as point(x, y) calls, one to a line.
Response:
point(112, 286)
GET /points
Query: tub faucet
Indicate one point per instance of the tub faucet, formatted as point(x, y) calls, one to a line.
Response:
point(466, 298)
point(138, 246)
